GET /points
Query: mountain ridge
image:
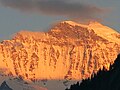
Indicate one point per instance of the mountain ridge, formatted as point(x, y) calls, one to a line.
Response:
point(65, 52)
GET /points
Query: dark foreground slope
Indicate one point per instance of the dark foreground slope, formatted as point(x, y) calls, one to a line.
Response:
point(103, 80)
point(4, 86)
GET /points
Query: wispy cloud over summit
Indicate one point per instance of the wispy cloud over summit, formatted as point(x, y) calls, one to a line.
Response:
point(55, 7)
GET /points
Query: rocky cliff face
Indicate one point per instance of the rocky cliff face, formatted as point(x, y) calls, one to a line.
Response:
point(68, 51)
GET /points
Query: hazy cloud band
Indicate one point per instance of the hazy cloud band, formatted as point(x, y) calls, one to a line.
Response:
point(55, 7)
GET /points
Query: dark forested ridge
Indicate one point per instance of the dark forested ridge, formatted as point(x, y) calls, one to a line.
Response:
point(103, 80)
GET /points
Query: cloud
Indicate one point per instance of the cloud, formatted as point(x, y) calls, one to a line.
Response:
point(55, 7)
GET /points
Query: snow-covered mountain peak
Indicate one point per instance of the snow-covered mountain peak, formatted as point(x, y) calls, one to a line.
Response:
point(70, 28)
point(74, 23)
point(99, 29)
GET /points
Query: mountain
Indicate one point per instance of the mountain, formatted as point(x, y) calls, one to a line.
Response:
point(68, 51)
point(103, 80)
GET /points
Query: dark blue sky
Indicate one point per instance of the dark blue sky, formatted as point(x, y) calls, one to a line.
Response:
point(13, 18)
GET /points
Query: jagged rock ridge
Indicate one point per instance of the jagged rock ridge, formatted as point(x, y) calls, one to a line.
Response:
point(68, 51)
